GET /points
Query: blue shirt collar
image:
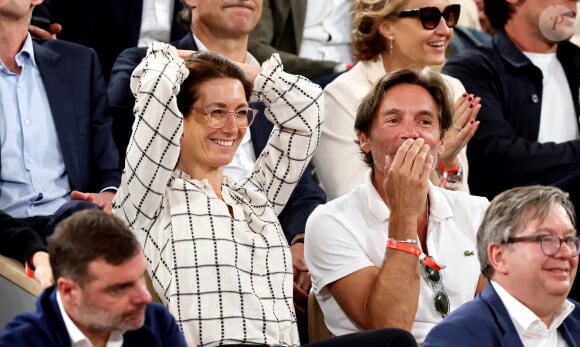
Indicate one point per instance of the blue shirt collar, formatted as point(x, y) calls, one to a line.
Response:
point(24, 56)
point(27, 52)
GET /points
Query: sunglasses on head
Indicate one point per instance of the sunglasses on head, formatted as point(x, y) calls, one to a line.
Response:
point(431, 16)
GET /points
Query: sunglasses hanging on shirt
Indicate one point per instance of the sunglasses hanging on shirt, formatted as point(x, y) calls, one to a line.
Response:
point(434, 278)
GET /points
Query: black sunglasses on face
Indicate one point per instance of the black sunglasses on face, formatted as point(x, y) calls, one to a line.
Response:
point(431, 16)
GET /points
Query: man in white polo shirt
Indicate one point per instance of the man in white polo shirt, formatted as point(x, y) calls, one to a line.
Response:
point(376, 254)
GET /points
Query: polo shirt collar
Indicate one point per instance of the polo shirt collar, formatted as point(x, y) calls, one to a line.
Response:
point(375, 204)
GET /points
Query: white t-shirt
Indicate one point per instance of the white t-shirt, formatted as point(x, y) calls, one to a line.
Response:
point(558, 121)
point(351, 232)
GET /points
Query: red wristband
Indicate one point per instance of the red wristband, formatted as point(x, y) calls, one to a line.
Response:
point(454, 170)
point(412, 249)
point(451, 171)
point(405, 247)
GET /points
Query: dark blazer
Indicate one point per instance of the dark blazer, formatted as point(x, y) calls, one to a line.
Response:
point(17, 239)
point(307, 194)
point(76, 92)
point(280, 30)
point(108, 26)
point(485, 322)
point(45, 327)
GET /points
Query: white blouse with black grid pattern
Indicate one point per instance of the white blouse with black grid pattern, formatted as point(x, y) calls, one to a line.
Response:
point(226, 280)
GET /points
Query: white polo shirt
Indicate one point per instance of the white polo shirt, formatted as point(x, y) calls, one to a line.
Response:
point(351, 232)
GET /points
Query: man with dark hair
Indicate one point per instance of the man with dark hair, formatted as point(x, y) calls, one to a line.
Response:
point(100, 297)
point(528, 77)
point(374, 253)
point(528, 249)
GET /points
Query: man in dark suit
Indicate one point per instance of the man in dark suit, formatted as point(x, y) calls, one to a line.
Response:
point(210, 22)
point(528, 249)
point(100, 297)
point(109, 26)
point(54, 124)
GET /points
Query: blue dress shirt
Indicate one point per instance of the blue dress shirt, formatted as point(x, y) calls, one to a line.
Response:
point(33, 179)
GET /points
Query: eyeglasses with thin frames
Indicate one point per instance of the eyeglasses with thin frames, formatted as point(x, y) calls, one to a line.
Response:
point(550, 244)
point(431, 16)
point(434, 278)
point(217, 116)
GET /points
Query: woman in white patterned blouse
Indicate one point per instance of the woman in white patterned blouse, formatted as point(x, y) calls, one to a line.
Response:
point(215, 249)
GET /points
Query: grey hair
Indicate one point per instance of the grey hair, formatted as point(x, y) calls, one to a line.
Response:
point(511, 211)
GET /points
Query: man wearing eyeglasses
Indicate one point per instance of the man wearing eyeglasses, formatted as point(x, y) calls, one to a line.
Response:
point(528, 250)
point(396, 251)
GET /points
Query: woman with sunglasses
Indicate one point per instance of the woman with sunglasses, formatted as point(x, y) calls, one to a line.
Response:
point(390, 35)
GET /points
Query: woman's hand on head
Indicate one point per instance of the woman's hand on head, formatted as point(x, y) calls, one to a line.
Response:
point(251, 71)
